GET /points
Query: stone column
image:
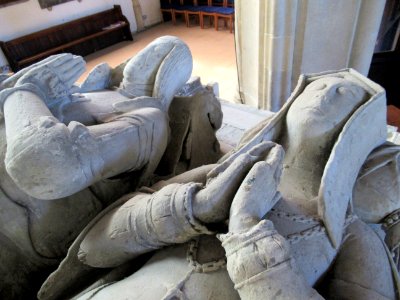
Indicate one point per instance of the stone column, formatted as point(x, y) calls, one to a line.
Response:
point(277, 40)
point(137, 9)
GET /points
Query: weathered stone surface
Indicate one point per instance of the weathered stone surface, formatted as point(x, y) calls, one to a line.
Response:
point(282, 212)
point(67, 152)
point(289, 223)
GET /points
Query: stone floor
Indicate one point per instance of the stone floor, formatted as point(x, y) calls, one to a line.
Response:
point(213, 54)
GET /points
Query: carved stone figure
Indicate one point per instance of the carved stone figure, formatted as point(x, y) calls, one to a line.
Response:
point(327, 128)
point(376, 194)
point(67, 155)
point(301, 245)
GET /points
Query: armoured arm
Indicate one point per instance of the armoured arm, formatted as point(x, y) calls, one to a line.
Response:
point(144, 223)
point(49, 160)
point(171, 215)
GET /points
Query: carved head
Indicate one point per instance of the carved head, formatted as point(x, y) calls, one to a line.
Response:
point(354, 105)
point(324, 106)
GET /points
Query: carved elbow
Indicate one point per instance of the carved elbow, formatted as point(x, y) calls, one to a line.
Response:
point(42, 162)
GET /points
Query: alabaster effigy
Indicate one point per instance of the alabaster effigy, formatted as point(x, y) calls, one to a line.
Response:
point(68, 150)
point(282, 216)
point(291, 231)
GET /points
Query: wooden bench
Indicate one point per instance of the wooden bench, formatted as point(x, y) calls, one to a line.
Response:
point(81, 37)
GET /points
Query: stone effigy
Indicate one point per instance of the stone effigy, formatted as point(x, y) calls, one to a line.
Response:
point(291, 230)
point(348, 109)
point(69, 151)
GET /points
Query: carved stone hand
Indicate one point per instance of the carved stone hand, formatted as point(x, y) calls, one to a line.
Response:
point(56, 77)
point(12, 80)
point(212, 204)
point(258, 192)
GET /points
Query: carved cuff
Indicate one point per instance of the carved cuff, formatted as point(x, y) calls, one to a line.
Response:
point(253, 253)
point(169, 215)
point(29, 87)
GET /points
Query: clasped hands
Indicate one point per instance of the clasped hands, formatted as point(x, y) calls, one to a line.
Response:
point(242, 189)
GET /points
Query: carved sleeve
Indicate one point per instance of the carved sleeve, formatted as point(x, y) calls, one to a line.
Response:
point(363, 268)
point(260, 265)
point(144, 223)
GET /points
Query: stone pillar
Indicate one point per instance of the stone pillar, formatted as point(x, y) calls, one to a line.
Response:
point(137, 9)
point(277, 40)
point(247, 39)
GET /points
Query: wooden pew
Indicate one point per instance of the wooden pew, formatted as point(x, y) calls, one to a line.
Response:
point(81, 37)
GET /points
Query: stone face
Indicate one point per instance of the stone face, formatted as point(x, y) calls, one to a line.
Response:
point(278, 129)
point(319, 113)
point(67, 152)
point(286, 206)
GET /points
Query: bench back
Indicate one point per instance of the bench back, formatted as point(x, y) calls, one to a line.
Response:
point(69, 36)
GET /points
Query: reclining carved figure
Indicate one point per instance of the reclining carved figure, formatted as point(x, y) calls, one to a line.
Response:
point(291, 231)
point(66, 155)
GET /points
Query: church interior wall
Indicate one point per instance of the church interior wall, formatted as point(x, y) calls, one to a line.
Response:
point(27, 17)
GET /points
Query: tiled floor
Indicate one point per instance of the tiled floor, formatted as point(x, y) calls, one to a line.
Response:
point(213, 54)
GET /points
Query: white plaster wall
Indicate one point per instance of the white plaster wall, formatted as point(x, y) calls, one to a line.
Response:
point(151, 12)
point(27, 17)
